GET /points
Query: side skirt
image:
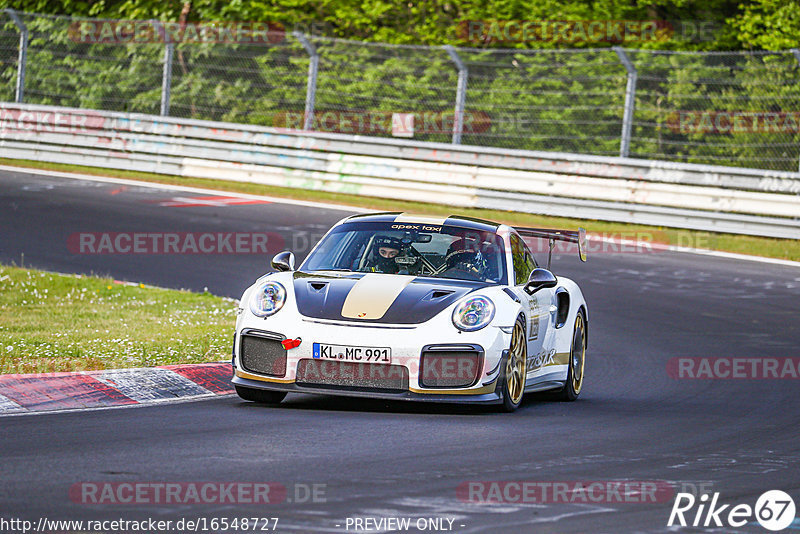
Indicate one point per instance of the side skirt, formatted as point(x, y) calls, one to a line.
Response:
point(545, 382)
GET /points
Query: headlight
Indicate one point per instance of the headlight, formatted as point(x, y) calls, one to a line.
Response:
point(267, 299)
point(473, 314)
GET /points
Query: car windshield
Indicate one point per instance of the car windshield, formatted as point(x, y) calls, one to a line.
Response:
point(411, 249)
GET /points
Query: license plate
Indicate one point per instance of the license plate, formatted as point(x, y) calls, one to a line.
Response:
point(349, 353)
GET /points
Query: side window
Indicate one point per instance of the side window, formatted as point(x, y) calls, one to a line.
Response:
point(521, 259)
point(530, 261)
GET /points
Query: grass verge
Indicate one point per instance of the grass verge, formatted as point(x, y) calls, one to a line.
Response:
point(759, 246)
point(51, 322)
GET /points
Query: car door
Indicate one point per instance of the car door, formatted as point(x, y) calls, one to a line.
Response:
point(537, 308)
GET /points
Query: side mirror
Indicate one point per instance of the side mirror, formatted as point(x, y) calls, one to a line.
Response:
point(283, 261)
point(538, 279)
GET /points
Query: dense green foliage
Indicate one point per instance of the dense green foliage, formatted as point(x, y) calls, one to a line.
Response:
point(546, 94)
point(762, 24)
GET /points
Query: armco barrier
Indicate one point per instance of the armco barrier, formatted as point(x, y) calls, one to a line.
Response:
point(700, 197)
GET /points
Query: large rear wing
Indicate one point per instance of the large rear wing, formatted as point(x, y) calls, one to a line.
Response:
point(552, 236)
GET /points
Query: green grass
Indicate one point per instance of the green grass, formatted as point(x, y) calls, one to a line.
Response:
point(52, 322)
point(758, 246)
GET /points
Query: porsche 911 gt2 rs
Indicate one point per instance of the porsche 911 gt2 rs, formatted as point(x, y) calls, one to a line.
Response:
point(398, 306)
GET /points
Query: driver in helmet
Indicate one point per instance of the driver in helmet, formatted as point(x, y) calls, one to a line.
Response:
point(464, 258)
point(382, 256)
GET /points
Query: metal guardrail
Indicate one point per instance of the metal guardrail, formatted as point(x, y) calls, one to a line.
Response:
point(738, 108)
point(700, 197)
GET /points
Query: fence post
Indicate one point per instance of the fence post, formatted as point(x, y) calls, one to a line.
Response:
point(22, 59)
point(461, 94)
point(166, 79)
point(630, 95)
point(796, 53)
point(311, 87)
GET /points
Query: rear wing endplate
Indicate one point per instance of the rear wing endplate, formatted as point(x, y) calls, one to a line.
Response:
point(552, 236)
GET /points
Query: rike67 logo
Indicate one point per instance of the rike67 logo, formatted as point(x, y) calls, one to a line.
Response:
point(774, 510)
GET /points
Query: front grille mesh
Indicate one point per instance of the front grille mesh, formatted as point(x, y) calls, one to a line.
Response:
point(442, 369)
point(263, 356)
point(371, 376)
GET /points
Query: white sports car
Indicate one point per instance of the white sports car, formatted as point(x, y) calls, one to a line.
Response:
point(397, 306)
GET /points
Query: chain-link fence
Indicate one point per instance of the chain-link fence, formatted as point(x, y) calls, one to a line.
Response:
point(725, 108)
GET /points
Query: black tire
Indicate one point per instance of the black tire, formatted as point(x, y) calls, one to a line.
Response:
point(512, 375)
point(260, 395)
point(577, 362)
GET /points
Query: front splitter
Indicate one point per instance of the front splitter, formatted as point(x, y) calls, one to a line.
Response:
point(292, 387)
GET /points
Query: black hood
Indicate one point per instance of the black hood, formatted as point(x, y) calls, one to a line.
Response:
point(322, 296)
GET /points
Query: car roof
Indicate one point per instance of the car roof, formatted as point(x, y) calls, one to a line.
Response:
point(410, 218)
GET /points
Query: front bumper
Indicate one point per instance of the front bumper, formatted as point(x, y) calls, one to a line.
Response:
point(407, 353)
point(407, 342)
point(242, 378)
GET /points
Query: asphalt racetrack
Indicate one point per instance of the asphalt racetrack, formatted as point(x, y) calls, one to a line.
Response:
point(377, 459)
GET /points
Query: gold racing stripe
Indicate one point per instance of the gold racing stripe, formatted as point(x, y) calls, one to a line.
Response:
point(373, 294)
point(560, 358)
point(489, 388)
point(243, 374)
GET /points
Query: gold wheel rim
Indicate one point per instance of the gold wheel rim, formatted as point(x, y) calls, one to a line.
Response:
point(578, 356)
point(515, 365)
